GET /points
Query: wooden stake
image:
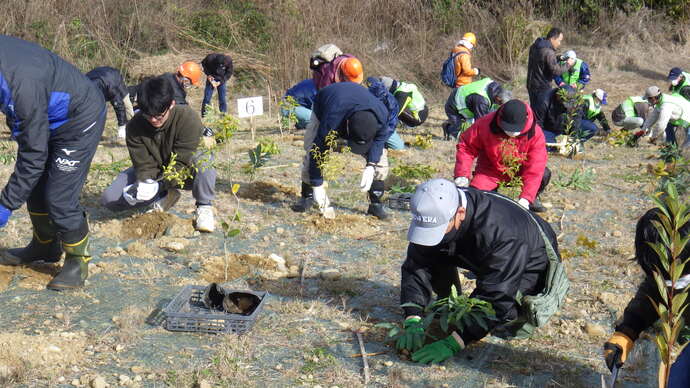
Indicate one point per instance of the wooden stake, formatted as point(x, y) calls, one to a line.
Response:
point(367, 376)
point(368, 354)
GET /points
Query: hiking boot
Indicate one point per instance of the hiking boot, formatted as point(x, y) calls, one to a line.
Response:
point(76, 268)
point(164, 204)
point(44, 246)
point(376, 210)
point(375, 198)
point(536, 206)
point(306, 201)
point(204, 220)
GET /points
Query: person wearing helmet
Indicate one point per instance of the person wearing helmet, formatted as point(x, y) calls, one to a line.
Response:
point(463, 59)
point(56, 115)
point(542, 67)
point(470, 102)
point(329, 65)
point(159, 130)
point(679, 82)
point(218, 69)
point(413, 109)
point(354, 114)
point(512, 124)
point(188, 73)
point(592, 109)
point(671, 113)
point(577, 76)
point(111, 84)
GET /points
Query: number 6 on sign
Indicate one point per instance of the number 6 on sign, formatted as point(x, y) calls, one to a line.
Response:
point(250, 106)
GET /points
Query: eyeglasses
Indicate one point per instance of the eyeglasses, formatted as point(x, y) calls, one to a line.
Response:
point(158, 117)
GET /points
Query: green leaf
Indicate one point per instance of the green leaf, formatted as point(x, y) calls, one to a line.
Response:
point(385, 325)
point(225, 226)
point(410, 304)
point(235, 188)
point(233, 233)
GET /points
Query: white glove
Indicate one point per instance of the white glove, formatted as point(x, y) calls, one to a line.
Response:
point(476, 71)
point(367, 178)
point(121, 132)
point(128, 197)
point(129, 109)
point(462, 181)
point(524, 203)
point(147, 190)
point(323, 202)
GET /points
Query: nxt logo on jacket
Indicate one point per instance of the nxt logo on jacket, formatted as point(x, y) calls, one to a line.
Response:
point(66, 165)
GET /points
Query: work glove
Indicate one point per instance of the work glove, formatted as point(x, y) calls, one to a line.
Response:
point(323, 202)
point(146, 190)
point(215, 84)
point(524, 203)
point(129, 109)
point(438, 351)
point(5, 214)
point(121, 132)
point(616, 350)
point(462, 181)
point(367, 178)
point(476, 71)
point(412, 337)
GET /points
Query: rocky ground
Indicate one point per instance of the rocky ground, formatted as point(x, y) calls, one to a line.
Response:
point(338, 276)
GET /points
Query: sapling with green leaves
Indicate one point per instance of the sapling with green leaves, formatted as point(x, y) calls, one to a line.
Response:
point(575, 136)
point(287, 104)
point(259, 155)
point(228, 230)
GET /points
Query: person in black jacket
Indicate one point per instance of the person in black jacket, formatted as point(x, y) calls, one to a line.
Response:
point(56, 115)
point(562, 109)
point(542, 66)
point(356, 115)
point(640, 314)
point(218, 69)
point(111, 84)
point(488, 234)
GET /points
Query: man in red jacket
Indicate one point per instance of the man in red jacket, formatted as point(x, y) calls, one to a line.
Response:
point(497, 140)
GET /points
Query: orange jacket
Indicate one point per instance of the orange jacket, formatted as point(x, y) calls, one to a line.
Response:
point(463, 67)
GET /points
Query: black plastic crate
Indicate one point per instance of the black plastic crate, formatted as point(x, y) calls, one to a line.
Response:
point(186, 312)
point(400, 201)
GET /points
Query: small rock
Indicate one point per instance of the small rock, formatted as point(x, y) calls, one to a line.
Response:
point(53, 348)
point(547, 205)
point(137, 370)
point(617, 233)
point(280, 262)
point(594, 330)
point(388, 363)
point(59, 316)
point(76, 383)
point(330, 274)
point(137, 378)
point(119, 347)
point(278, 367)
point(98, 382)
point(173, 246)
point(61, 379)
point(195, 266)
point(125, 380)
point(280, 230)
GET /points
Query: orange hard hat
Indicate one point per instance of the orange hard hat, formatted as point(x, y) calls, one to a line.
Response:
point(470, 37)
point(352, 70)
point(191, 70)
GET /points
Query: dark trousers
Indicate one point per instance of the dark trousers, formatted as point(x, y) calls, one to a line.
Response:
point(455, 120)
point(408, 119)
point(538, 101)
point(58, 190)
point(208, 94)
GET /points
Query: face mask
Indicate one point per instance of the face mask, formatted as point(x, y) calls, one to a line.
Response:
point(512, 134)
point(675, 82)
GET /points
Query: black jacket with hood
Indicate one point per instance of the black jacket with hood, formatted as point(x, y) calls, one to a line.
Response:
point(558, 113)
point(219, 66)
point(111, 84)
point(499, 242)
point(45, 99)
point(542, 66)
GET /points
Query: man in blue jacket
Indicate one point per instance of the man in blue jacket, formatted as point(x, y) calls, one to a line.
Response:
point(357, 116)
point(111, 84)
point(56, 115)
point(303, 93)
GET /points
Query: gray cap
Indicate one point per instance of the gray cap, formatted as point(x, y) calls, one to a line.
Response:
point(652, 91)
point(433, 206)
point(570, 54)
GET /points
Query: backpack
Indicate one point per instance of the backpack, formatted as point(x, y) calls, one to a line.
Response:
point(448, 70)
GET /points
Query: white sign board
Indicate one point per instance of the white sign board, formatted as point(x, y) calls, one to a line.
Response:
point(250, 106)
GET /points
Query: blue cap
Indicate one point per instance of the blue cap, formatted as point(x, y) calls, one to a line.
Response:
point(675, 73)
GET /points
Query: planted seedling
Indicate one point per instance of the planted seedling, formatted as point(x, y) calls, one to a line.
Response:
point(511, 164)
point(331, 160)
point(222, 124)
point(228, 230)
point(287, 104)
point(422, 141)
point(461, 311)
point(259, 155)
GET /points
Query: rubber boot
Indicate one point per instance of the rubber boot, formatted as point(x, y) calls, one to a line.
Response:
point(44, 245)
point(76, 268)
point(306, 201)
point(536, 206)
point(375, 196)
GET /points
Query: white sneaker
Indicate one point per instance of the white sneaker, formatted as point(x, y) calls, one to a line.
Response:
point(121, 132)
point(164, 204)
point(204, 221)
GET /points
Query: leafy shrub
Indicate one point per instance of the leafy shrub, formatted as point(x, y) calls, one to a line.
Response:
point(414, 171)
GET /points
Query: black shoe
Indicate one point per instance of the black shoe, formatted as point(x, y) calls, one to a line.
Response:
point(537, 207)
point(303, 205)
point(33, 253)
point(376, 210)
point(73, 274)
point(213, 297)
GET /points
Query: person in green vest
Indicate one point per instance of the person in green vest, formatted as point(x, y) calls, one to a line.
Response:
point(592, 108)
point(577, 76)
point(631, 113)
point(413, 109)
point(671, 113)
point(680, 82)
point(470, 102)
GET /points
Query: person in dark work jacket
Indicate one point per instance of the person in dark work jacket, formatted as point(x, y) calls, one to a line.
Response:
point(111, 84)
point(218, 69)
point(56, 115)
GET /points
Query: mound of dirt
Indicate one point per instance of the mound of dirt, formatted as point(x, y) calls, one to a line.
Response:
point(267, 192)
point(213, 268)
point(148, 225)
point(345, 225)
point(33, 278)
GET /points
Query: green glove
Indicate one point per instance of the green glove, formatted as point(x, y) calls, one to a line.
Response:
point(438, 351)
point(412, 337)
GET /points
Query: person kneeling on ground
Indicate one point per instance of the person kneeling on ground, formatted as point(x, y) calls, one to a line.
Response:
point(564, 116)
point(470, 102)
point(303, 93)
point(158, 131)
point(380, 91)
point(632, 113)
point(671, 113)
point(356, 115)
point(592, 109)
point(509, 249)
point(640, 314)
point(413, 109)
point(513, 128)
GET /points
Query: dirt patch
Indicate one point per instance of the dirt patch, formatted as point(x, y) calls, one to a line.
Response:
point(267, 192)
point(33, 278)
point(147, 226)
point(345, 225)
point(213, 270)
